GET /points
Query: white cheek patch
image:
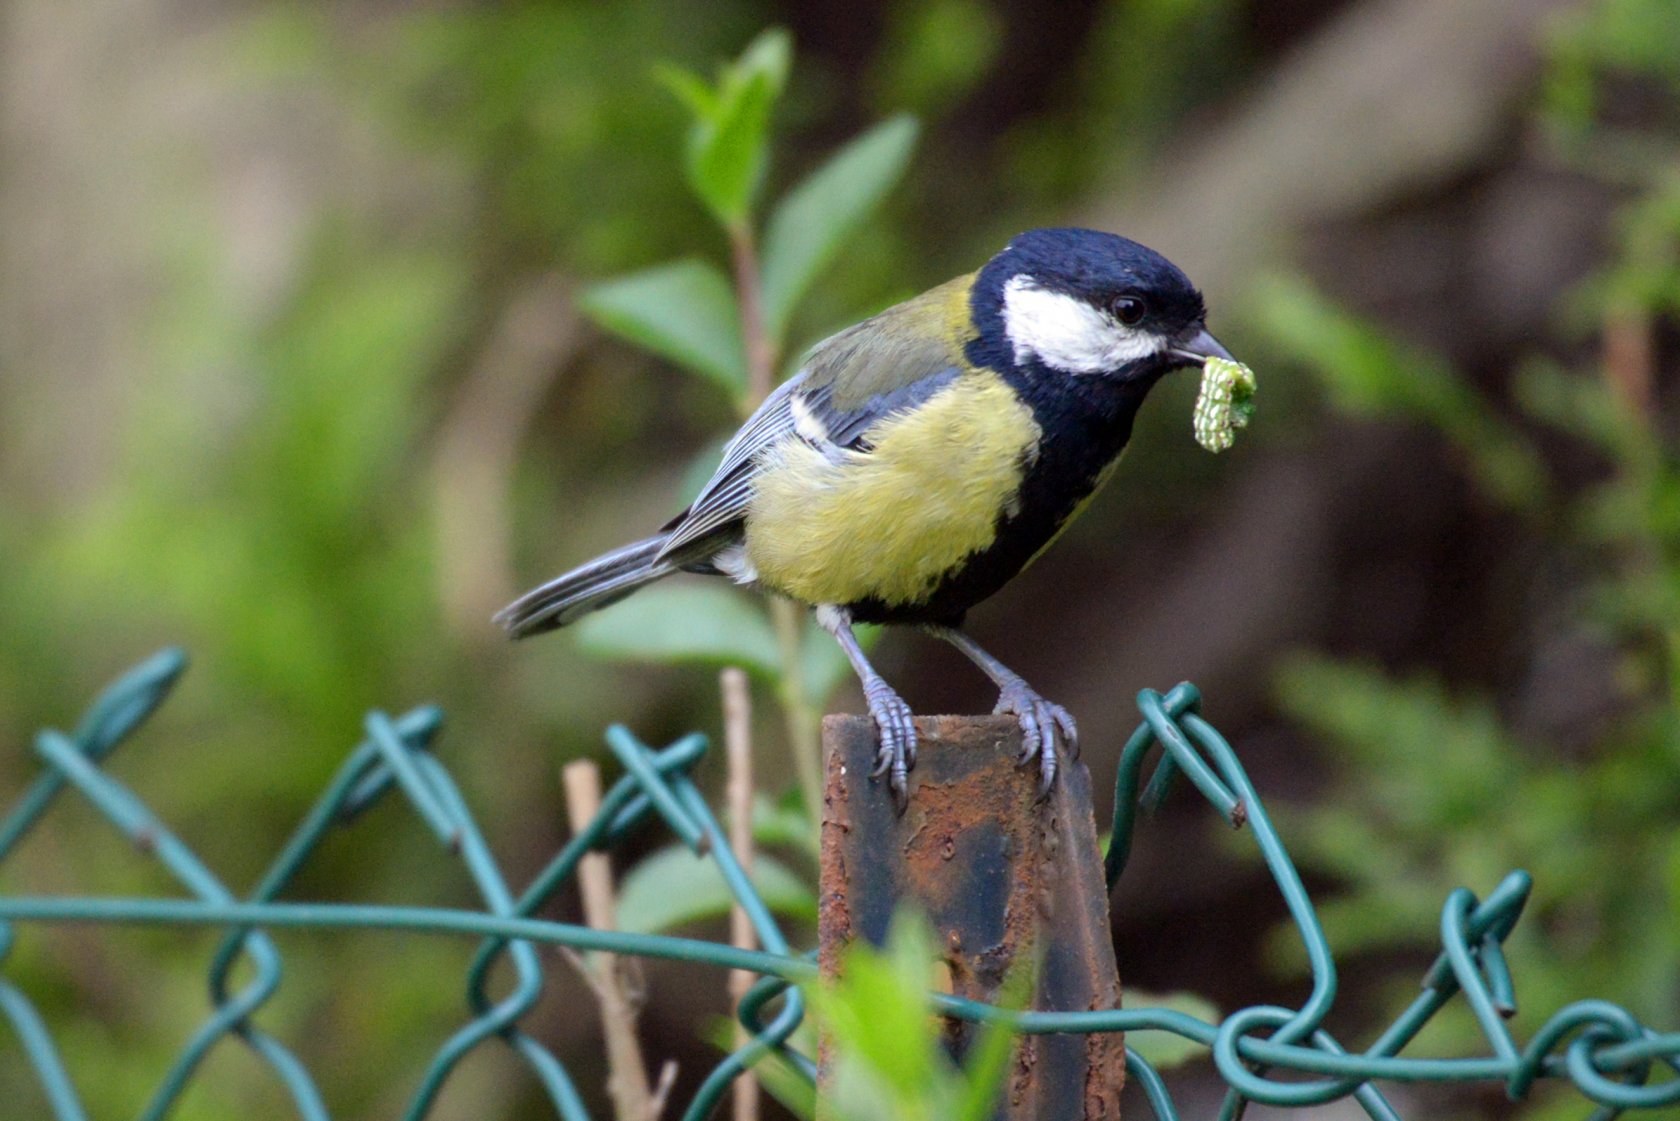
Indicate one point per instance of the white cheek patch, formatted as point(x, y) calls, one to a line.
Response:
point(1068, 334)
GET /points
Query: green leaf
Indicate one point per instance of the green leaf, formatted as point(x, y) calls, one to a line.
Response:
point(986, 1066)
point(888, 1060)
point(684, 311)
point(781, 1079)
point(784, 822)
point(1161, 1048)
point(727, 151)
point(782, 1082)
point(710, 624)
point(877, 1011)
point(769, 55)
point(808, 227)
point(673, 887)
point(689, 88)
point(1585, 407)
point(726, 156)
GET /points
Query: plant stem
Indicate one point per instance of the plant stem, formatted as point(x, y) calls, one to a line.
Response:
point(1627, 348)
point(798, 707)
point(737, 739)
point(1628, 356)
point(627, 1081)
point(760, 347)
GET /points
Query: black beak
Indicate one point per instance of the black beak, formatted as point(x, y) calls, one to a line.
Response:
point(1199, 348)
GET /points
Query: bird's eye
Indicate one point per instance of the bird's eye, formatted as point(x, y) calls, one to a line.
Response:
point(1127, 309)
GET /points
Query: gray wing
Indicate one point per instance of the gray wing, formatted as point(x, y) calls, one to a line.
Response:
point(723, 500)
point(796, 411)
point(831, 404)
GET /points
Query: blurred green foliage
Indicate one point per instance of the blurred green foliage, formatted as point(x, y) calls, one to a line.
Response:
point(259, 487)
point(1438, 788)
point(674, 887)
point(258, 482)
point(684, 311)
point(1368, 373)
point(889, 1060)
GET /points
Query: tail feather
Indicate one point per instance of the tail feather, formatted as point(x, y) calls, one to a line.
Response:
point(590, 587)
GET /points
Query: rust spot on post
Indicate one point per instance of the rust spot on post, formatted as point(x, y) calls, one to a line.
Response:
point(997, 872)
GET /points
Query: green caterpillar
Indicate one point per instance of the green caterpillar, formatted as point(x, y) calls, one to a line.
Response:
point(1225, 403)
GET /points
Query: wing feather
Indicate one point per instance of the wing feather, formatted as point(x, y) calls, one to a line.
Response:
point(723, 500)
point(847, 383)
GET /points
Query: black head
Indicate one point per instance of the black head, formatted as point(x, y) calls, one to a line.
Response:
point(1081, 302)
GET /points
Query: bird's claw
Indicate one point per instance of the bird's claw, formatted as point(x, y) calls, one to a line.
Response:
point(1040, 721)
point(895, 725)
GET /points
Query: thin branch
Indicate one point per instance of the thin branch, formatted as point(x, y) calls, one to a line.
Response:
point(749, 290)
point(737, 738)
point(1629, 361)
point(662, 1089)
point(798, 706)
point(627, 1081)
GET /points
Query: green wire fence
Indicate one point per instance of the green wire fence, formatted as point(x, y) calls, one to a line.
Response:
point(1599, 1047)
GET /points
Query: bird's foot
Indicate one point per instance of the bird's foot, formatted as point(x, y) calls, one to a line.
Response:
point(895, 724)
point(1040, 722)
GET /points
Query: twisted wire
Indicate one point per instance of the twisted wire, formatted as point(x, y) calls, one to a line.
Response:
point(1598, 1047)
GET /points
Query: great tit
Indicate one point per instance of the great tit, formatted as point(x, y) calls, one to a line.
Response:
point(920, 459)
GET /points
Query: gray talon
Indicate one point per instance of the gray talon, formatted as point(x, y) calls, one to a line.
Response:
point(1040, 721)
point(895, 725)
point(1046, 770)
point(1070, 730)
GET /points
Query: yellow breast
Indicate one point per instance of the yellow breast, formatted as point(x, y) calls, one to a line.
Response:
point(889, 523)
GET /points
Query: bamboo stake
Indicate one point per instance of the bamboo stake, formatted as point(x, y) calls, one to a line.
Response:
point(627, 1081)
point(737, 738)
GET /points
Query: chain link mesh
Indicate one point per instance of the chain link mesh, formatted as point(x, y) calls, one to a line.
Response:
point(1597, 1046)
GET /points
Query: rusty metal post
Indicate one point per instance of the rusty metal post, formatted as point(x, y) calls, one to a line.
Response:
point(997, 873)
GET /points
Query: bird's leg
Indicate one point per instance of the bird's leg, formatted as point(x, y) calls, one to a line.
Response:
point(893, 719)
point(1039, 718)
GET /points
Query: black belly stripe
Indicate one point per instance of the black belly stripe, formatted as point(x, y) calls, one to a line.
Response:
point(1086, 422)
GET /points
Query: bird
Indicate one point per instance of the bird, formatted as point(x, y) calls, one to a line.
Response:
point(917, 461)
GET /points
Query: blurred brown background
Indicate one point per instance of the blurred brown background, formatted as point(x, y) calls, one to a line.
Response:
point(290, 374)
